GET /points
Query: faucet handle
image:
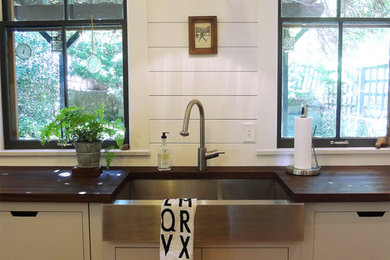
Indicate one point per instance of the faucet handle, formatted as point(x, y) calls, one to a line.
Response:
point(213, 153)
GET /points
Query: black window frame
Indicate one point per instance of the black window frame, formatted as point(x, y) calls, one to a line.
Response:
point(283, 142)
point(7, 25)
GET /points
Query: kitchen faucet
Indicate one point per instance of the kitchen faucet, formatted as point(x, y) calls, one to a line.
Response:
point(203, 155)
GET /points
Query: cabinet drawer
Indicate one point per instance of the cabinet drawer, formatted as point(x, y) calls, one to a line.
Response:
point(245, 253)
point(352, 235)
point(127, 253)
point(41, 235)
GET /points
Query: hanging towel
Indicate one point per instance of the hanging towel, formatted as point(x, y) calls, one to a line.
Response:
point(177, 229)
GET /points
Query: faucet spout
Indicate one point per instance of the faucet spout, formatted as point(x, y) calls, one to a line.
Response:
point(203, 155)
point(186, 121)
point(202, 150)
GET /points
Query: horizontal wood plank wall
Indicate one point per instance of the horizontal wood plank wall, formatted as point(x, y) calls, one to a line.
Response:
point(229, 35)
point(225, 83)
point(215, 107)
point(173, 11)
point(203, 83)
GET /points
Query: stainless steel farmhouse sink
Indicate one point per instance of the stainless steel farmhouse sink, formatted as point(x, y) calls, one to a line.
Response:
point(229, 210)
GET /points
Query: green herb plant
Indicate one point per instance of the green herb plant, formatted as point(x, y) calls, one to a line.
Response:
point(72, 124)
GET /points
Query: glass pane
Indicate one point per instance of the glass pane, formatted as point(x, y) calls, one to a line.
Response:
point(365, 8)
point(365, 82)
point(309, 8)
point(309, 77)
point(95, 75)
point(98, 9)
point(35, 10)
point(35, 68)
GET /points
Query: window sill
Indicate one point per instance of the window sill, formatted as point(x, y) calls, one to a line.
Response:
point(326, 151)
point(64, 152)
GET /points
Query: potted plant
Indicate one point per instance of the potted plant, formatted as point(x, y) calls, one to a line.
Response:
point(86, 131)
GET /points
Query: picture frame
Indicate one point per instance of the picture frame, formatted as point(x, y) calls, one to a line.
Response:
point(202, 35)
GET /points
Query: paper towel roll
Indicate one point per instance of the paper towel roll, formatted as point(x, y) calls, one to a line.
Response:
point(302, 143)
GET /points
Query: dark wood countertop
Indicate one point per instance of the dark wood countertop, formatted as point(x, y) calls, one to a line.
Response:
point(340, 184)
point(43, 184)
point(334, 184)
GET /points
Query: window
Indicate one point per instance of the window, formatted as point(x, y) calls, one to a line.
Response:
point(334, 59)
point(61, 53)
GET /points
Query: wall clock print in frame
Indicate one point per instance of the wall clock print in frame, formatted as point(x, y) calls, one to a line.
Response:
point(202, 34)
point(23, 51)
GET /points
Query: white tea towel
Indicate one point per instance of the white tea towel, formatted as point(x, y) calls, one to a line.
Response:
point(177, 229)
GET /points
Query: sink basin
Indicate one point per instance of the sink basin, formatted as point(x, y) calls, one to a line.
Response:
point(206, 189)
point(229, 210)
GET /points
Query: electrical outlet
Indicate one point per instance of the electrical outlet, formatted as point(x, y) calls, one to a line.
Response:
point(249, 132)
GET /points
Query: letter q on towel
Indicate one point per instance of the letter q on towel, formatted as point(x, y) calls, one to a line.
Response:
point(177, 229)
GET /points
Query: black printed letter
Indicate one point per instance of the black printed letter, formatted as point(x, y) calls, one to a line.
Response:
point(172, 227)
point(166, 246)
point(188, 200)
point(166, 203)
point(184, 250)
point(184, 218)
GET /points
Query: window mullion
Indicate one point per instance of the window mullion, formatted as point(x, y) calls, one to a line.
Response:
point(64, 72)
point(64, 84)
point(339, 80)
point(66, 10)
point(5, 10)
point(338, 8)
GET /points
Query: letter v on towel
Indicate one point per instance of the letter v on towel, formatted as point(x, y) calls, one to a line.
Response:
point(177, 229)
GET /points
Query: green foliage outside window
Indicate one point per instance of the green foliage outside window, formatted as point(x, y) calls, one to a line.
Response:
point(37, 86)
point(310, 66)
point(38, 78)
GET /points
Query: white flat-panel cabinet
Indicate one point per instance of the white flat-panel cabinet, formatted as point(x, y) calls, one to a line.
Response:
point(357, 235)
point(245, 253)
point(123, 253)
point(35, 231)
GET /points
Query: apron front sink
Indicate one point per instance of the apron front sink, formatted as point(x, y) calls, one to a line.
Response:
point(229, 210)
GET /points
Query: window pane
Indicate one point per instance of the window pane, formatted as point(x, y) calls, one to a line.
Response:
point(35, 68)
point(309, 8)
point(98, 80)
point(309, 77)
point(98, 9)
point(28, 10)
point(365, 8)
point(365, 82)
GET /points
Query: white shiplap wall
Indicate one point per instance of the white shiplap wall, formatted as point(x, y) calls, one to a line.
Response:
point(225, 83)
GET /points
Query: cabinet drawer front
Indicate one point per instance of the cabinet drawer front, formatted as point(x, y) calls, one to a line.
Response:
point(352, 235)
point(245, 253)
point(41, 235)
point(127, 253)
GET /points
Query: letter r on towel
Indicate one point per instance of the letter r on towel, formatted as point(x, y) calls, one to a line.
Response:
point(184, 218)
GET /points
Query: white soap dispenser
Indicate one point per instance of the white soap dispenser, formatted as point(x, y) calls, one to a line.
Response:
point(164, 156)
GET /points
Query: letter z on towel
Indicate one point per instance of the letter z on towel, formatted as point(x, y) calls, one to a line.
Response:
point(177, 229)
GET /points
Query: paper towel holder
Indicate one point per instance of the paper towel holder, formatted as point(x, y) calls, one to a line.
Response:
point(313, 171)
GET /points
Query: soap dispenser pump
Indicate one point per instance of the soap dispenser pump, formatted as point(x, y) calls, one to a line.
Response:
point(163, 156)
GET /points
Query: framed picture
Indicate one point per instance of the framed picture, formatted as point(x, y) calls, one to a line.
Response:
point(202, 32)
